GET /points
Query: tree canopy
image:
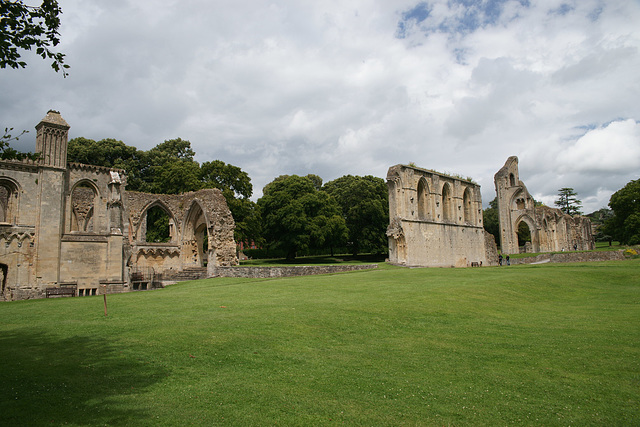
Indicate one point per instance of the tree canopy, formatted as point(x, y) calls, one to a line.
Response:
point(296, 216)
point(364, 202)
point(24, 27)
point(624, 226)
point(568, 201)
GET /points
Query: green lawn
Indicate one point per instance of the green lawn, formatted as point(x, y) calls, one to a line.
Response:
point(552, 344)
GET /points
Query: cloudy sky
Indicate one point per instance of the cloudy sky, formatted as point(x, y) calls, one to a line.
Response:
point(337, 87)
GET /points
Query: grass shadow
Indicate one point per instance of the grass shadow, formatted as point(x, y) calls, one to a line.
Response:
point(46, 380)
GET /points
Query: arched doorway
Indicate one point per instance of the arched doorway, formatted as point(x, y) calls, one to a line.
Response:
point(524, 237)
point(196, 237)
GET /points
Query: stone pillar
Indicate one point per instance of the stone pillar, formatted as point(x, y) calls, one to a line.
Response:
point(51, 144)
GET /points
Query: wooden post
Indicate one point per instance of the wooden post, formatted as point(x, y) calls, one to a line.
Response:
point(105, 300)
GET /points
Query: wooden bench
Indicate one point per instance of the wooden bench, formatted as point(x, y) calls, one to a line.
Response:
point(61, 291)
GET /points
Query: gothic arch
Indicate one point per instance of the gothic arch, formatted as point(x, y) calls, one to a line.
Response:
point(144, 226)
point(84, 198)
point(9, 200)
point(195, 235)
point(518, 201)
point(531, 224)
point(467, 201)
point(425, 210)
point(447, 203)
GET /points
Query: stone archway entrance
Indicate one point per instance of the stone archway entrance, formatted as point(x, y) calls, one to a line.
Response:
point(526, 235)
point(195, 241)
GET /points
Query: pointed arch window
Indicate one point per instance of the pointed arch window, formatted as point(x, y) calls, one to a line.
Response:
point(424, 200)
point(83, 202)
point(8, 202)
point(467, 202)
point(447, 203)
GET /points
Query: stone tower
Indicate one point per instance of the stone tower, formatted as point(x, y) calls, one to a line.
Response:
point(51, 144)
point(51, 140)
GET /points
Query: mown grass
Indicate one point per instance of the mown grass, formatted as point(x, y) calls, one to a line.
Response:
point(553, 344)
point(316, 260)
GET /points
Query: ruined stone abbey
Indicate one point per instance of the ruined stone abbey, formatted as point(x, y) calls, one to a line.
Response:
point(74, 229)
point(550, 229)
point(436, 220)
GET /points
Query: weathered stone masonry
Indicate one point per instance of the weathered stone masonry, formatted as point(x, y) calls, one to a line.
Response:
point(76, 225)
point(551, 229)
point(435, 220)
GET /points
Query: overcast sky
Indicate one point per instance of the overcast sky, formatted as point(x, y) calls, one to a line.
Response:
point(355, 86)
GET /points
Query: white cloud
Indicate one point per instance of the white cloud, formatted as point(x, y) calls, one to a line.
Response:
point(329, 88)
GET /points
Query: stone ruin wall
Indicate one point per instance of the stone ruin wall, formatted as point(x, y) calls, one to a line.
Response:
point(65, 224)
point(436, 220)
point(188, 213)
point(551, 229)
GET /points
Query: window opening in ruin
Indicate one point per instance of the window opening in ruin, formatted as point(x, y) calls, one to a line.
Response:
point(83, 201)
point(512, 180)
point(202, 237)
point(158, 229)
point(424, 208)
point(468, 212)
point(447, 211)
point(524, 234)
point(8, 196)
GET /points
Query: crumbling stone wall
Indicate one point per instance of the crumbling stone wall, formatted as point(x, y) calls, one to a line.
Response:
point(72, 224)
point(435, 219)
point(189, 213)
point(551, 229)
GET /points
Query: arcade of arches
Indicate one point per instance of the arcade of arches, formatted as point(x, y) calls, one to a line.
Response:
point(436, 220)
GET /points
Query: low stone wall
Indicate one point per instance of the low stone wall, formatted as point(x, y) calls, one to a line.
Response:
point(267, 272)
point(570, 257)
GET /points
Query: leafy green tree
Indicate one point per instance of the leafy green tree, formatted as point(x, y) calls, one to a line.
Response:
point(109, 153)
point(598, 220)
point(296, 216)
point(237, 189)
point(24, 27)
point(624, 226)
point(524, 233)
point(218, 174)
point(317, 181)
point(491, 220)
point(364, 202)
point(568, 201)
point(157, 226)
point(169, 168)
